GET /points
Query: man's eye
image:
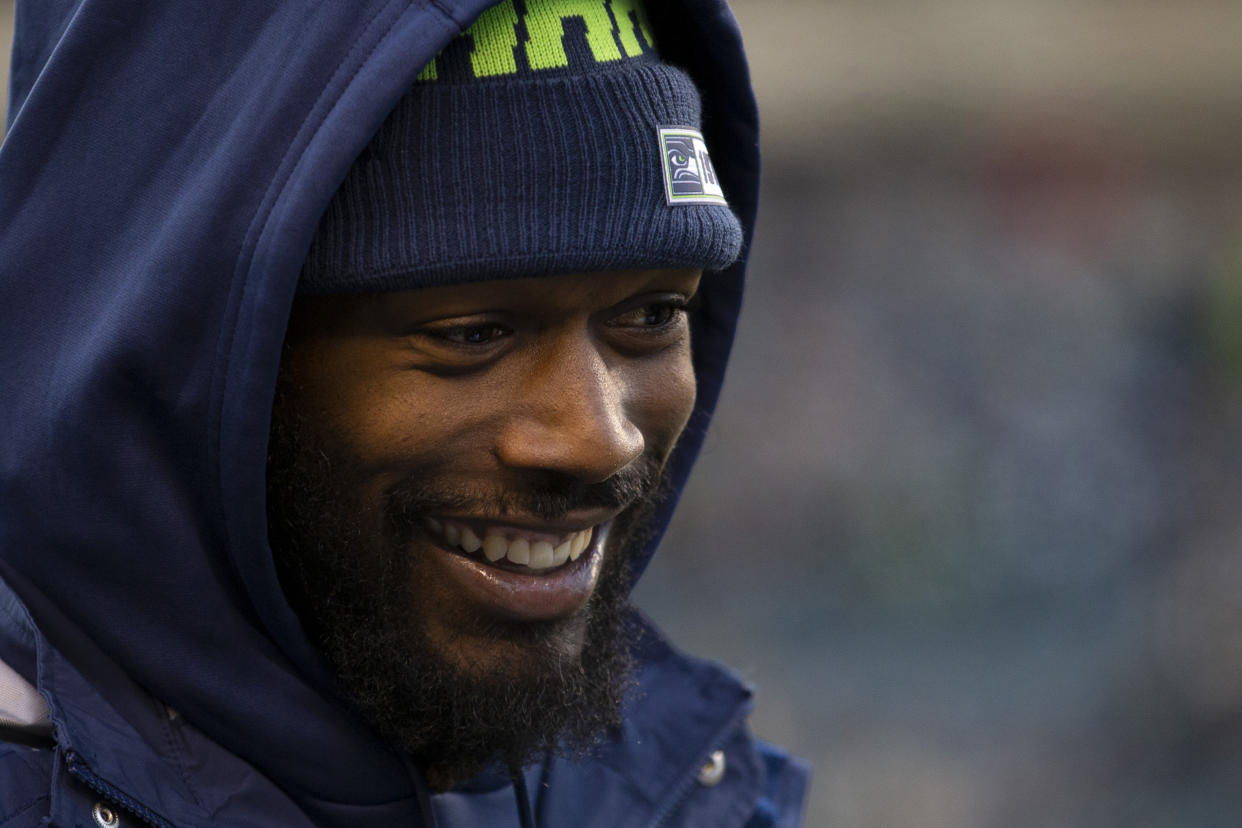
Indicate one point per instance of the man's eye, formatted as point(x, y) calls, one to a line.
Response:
point(656, 315)
point(481, 334)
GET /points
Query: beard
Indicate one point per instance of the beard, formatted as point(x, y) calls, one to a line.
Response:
point(544, 687)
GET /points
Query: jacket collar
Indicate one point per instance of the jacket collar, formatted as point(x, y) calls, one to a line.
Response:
point(118, 740)
point(685, 710)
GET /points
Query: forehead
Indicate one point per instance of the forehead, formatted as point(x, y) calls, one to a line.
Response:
point(559, 295)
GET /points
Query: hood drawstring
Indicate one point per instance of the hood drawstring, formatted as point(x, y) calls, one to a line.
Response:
point(525, 815)
point(421, 790)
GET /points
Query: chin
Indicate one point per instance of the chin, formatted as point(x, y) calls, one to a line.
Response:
point(433, 670)
point(508, 649)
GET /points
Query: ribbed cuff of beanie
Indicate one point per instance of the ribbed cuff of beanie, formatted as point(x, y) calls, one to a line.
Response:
point(466, 182)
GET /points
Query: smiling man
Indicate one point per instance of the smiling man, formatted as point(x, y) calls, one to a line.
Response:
point(355, 357)
point(459, 480)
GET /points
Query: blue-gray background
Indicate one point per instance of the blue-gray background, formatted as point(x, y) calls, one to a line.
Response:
point(969, 515)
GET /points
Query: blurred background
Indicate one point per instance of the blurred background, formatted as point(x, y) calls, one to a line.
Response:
point(971, 513)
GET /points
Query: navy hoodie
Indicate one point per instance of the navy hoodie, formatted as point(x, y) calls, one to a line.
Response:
point(165, 168)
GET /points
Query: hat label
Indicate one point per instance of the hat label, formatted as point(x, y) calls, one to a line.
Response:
point(689, 177)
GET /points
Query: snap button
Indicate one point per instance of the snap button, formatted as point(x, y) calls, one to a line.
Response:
point(104, 816)
point(712, 772)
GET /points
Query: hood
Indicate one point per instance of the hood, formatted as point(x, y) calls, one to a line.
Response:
point(164, 171)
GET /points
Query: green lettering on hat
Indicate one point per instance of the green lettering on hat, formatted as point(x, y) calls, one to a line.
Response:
point(621, 10)
point(545, 26)
point(495, 36)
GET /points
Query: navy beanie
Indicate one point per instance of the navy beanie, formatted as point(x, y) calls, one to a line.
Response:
point(548, 138)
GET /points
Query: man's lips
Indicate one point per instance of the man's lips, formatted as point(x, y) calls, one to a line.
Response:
point(521, 573)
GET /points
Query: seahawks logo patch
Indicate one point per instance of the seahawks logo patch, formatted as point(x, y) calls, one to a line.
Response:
point(689, 177)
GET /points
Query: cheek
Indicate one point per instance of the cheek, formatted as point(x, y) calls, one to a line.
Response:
point(664, 400)
point(403, 422)
point(363, 410)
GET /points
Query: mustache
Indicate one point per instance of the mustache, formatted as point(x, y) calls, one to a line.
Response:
point(547, 498)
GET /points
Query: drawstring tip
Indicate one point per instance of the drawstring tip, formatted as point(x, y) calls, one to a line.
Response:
point(525, 815)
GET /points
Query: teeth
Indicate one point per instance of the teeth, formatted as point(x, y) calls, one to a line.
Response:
point(519, 552)
point(494, 548)
point(578, 544)
point(538, 555)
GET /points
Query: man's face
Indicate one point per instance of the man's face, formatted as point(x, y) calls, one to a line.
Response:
point(457, 480)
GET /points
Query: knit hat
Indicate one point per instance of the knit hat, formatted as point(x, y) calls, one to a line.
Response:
point(547, 138)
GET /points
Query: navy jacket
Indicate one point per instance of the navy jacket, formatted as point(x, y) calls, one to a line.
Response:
point(165, 168)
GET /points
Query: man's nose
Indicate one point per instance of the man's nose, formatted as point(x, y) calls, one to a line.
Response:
point(571, 416)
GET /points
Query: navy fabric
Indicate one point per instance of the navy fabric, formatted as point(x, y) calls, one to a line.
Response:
point(544, 182)
point(544, 168)
point(164, 171)
point(147, 762)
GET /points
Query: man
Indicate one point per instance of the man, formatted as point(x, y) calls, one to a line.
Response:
point(492, 279)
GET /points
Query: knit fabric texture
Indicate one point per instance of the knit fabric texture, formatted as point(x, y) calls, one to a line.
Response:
point(530, 146)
